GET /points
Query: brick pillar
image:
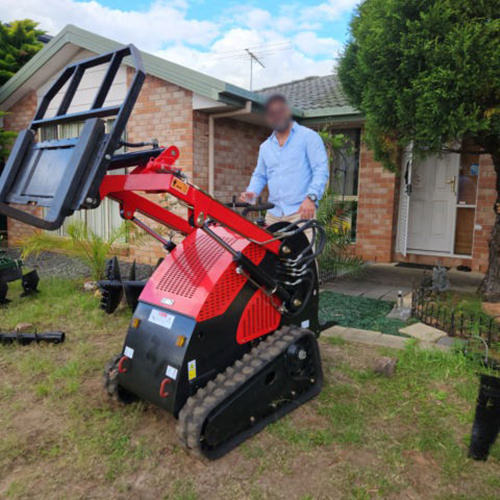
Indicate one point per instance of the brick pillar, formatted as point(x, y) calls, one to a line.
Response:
point(485, 216)
point(376, 206)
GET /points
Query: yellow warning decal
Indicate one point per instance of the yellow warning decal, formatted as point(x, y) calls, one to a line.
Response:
point(180, 186)
point(192, 369)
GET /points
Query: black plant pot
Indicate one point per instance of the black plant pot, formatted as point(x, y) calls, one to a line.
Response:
point(487, 420)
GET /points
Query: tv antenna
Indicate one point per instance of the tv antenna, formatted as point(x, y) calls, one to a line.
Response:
point(253, 58)
point(256, 53)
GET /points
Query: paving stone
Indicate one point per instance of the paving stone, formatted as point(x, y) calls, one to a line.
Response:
point(450, 341)
point(403, 314)
point(362, 336)
point(334, 331)
point(423, 332)
point(429, 346)
point(391, 341)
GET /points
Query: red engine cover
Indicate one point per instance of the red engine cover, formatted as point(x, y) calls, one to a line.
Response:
point(260, 316)
point(198, 278)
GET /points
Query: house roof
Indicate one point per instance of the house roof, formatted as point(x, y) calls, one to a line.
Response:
point(328, 98)
point(313, 92)
point(317, 96)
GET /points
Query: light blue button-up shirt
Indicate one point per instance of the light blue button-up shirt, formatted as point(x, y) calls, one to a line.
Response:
point(292, 171)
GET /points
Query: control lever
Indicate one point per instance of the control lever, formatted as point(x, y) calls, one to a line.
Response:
point(258, 207)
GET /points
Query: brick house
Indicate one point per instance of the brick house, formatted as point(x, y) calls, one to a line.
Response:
point(438, 211)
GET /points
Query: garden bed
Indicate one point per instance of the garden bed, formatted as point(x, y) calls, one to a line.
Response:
point(459, 314)
point(358, 312)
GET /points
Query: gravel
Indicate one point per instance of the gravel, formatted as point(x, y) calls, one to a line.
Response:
point(50, 264)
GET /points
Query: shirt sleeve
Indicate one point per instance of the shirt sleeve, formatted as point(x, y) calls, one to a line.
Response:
point(259, 177)
point(318, 160)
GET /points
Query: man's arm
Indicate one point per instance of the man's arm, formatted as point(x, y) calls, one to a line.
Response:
point(259, 177)
point(318, 160)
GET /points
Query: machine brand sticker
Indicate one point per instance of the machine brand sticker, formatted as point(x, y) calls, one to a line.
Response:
point(168, 302)
point(180, 186)
point(171, 372)
point(305, 323)
point(192, 369)
point(161, 318)
point(129, 352)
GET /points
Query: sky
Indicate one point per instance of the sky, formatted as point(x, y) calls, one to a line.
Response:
point(293, 39)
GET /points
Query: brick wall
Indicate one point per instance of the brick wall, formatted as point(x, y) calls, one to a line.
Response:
point(162, 111)
point(485, 216)
point(236, 151)
point(377, 197)
point(19, 118)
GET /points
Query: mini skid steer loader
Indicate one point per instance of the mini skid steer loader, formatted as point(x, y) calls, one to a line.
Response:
point(224, 335)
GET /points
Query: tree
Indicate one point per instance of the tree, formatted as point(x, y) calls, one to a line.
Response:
point(6, 140)
point(428, 72)
point(19, 42)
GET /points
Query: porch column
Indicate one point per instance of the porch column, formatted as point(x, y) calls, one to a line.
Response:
point(377, 195)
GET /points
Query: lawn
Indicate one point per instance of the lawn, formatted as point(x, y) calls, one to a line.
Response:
point(364, 437)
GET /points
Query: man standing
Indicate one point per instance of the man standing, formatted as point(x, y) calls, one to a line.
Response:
point(293, 163)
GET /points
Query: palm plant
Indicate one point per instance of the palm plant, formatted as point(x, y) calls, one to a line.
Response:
point(337, 258)
point(335, 214)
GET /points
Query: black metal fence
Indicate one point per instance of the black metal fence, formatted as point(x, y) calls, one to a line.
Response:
point(455, 322)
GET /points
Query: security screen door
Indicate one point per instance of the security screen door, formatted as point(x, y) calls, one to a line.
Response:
point(433, 200)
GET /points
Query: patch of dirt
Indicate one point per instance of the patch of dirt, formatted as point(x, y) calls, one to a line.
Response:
point(152, 465)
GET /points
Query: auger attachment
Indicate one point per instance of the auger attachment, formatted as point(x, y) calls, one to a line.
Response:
point(25, 338)
point(487, 420)
point(114, 288)
point(111, 288)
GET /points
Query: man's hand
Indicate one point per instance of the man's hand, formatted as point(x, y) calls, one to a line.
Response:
point(248, 197)
point(307, 209)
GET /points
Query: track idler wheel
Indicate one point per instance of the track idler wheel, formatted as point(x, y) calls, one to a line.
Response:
point(110, 382)
point(274, 378)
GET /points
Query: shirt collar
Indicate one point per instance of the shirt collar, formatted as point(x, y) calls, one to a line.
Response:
point(295, 126)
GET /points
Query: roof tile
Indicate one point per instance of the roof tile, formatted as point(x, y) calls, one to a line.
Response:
point(313, 92)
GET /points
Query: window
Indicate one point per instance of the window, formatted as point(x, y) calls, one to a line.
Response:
point(106, 218)
point(344, 168)
point(344, 174)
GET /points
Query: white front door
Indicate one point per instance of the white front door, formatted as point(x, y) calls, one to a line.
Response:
point(433, 199)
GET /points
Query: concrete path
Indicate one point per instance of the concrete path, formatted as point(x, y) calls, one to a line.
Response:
point(383, 281)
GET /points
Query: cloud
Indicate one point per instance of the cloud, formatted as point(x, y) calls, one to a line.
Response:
point(309, 43)
point(164, 22)
point(286, 42)
point(327, 11)
point(282, 58)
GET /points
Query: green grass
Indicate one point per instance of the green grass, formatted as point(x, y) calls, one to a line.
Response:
point(358, 312)
point(363, 437)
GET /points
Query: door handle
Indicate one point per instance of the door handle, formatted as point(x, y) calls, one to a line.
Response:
point(453, 184)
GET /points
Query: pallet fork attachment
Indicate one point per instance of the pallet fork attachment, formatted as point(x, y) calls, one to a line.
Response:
point(65, 175)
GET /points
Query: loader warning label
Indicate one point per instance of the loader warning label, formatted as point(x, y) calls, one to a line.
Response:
point(192, 369)
point(171, 372)
point(180, 186)
point(161, 318)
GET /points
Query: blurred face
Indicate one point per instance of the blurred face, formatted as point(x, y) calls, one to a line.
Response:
point(279, 116)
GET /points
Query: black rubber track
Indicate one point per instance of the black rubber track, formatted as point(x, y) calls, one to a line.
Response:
point(199, 406)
